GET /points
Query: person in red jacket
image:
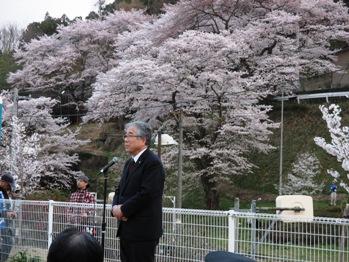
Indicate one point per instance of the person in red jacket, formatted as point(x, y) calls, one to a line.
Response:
point(82, 217)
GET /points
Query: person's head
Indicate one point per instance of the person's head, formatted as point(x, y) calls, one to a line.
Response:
point(72, 245)
point(7, 181)
point(137, 137)
point(82, 182)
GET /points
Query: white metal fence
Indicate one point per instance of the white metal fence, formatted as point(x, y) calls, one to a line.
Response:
point(190, 234)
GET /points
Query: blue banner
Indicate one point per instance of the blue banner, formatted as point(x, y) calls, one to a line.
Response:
point(0, 120)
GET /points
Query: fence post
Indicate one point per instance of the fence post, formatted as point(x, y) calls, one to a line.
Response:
point(232, 232)
point(50, 223)
point(342, 244)
point(19, 210)
point(236, 204)
point(253, 229)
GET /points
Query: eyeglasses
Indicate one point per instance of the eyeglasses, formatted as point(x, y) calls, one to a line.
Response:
point(128, 136)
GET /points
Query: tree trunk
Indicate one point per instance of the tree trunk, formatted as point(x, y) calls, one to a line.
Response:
point(154, 6)
point(211, 193)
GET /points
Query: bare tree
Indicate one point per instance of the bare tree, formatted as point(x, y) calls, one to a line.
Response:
point(9, 38)
point(100, 4)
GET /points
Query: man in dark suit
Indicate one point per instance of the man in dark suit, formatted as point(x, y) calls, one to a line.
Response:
point(137, 202)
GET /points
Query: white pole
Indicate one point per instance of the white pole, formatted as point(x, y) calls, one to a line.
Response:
point(13, 137)
point(180, 163)
point(50, 223)
point(231, 231)
point(281, 141)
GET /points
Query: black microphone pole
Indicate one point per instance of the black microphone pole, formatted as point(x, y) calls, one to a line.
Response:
point(104, 171)
point(105, 175)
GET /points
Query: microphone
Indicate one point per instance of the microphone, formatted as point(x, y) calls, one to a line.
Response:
point(107, 166)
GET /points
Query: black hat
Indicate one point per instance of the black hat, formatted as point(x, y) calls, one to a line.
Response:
point(7, 177)
point(83, 178)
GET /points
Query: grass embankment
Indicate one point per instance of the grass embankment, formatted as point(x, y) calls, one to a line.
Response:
point(302, 122)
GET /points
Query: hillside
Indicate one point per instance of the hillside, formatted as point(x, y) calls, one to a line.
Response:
point(302, 122)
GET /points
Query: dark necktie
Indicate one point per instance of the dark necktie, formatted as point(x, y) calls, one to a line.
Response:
point(131, 166)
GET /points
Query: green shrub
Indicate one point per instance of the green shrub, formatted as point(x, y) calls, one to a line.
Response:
point(23, 256)
point(53, 194)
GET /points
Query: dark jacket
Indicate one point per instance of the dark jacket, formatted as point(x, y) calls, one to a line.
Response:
point(140, 193)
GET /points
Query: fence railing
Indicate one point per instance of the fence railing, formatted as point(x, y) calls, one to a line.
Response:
point(190, 234)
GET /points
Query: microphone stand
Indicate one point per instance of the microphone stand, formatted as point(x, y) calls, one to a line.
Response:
point(104, 171)
point(105, 175)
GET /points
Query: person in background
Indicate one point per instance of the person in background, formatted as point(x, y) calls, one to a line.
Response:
point(137, 202)
point(333, 196)
point(82, 216)
point(7, 185)
point(72, 245)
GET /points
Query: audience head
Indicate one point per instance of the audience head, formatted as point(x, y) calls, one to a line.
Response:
point(7, 181)
point(82, 182)
point(71, 245)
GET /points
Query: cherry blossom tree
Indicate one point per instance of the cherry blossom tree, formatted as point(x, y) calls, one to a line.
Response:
point(39, 148)
point(338, 146)
point(307, 26)
point(20, 156)
point(222, 118)
point(71, 59)
point(302, 179)
point(215, 61)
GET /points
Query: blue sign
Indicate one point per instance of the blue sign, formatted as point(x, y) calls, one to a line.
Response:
point(0, 120)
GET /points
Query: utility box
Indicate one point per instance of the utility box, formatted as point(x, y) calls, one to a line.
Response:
point(295, 208)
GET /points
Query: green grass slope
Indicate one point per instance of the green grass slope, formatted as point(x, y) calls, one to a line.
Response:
point(302, 122)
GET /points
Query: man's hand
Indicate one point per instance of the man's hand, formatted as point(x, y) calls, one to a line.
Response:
point(118, 213)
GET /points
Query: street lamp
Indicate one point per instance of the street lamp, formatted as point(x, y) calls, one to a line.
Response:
point(166, 140)
point(163, 140)
point(60, 104)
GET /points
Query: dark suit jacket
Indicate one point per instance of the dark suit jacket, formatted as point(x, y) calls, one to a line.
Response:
point(140, 193)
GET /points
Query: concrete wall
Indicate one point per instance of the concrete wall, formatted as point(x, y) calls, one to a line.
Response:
point(336, 80)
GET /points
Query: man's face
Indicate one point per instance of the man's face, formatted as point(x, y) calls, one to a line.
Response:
point(132, 142)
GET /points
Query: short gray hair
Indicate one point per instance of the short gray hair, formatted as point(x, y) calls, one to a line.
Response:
point(143, 130)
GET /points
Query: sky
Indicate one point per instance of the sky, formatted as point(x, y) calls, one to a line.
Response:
point(24, 12)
